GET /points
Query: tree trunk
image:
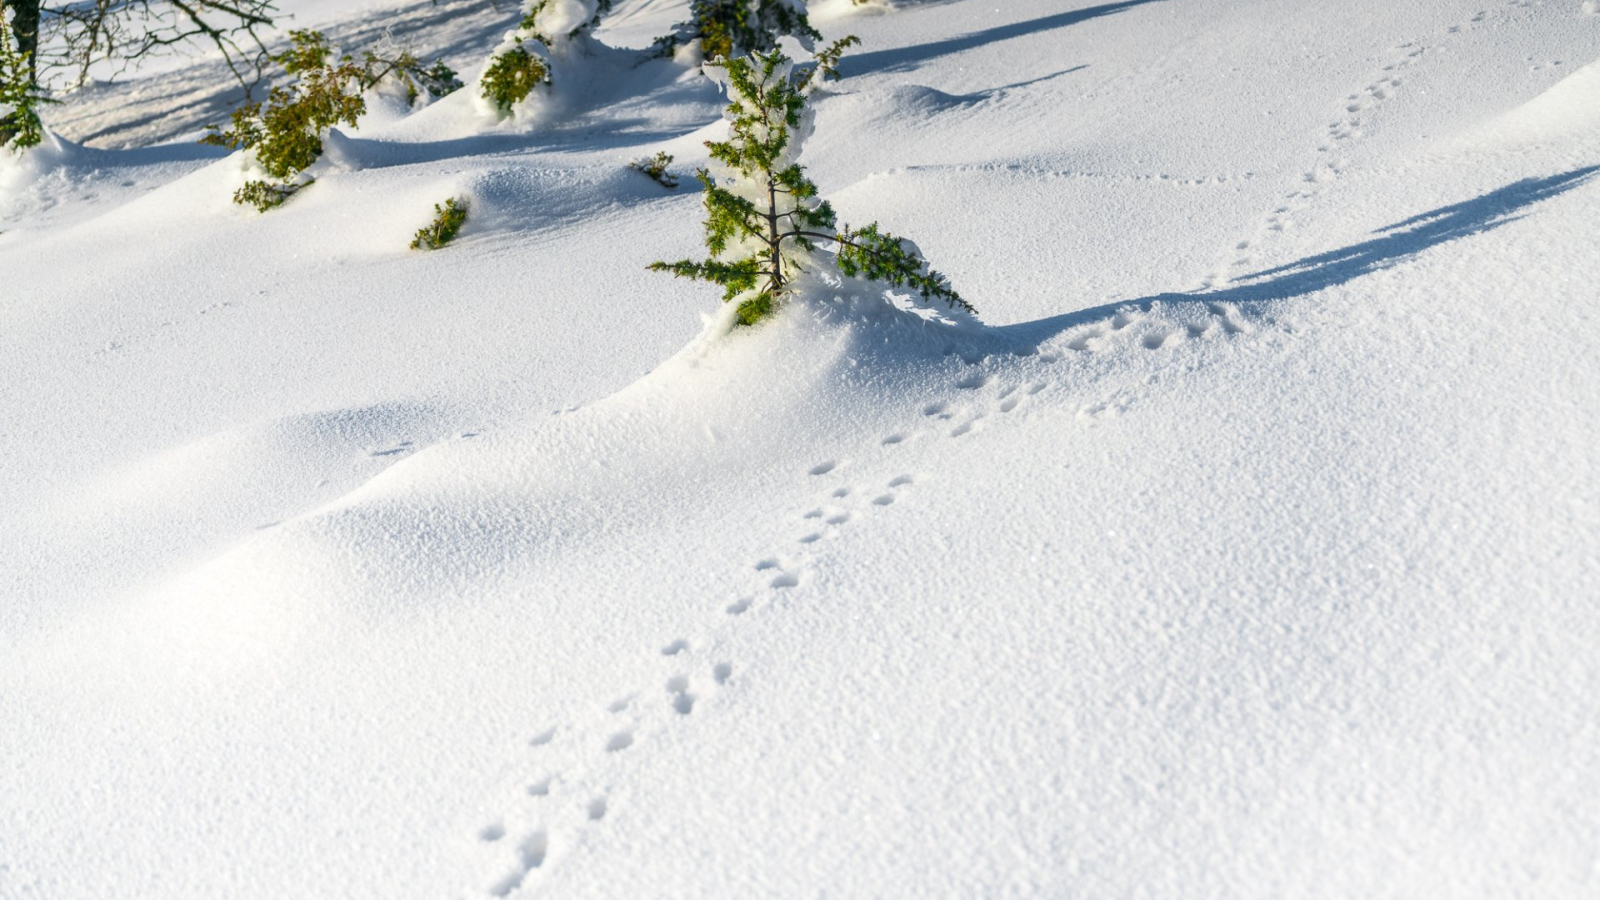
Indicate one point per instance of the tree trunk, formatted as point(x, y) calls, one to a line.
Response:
point(25, 31)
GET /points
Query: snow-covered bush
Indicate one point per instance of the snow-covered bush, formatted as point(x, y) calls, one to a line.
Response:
point(765, 224)
point(286, 134)
point(399, 69)
point(20, 97)
point(550, 31)
point(446, 224)
point(731, 28)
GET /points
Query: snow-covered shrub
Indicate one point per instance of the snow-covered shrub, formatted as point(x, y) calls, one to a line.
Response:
point(20, 97)
point(655, 167)
point(400, 69)
point(286, 134)
point(765, 224)
point(446, 224)
point(731, 28)
point(526, 58)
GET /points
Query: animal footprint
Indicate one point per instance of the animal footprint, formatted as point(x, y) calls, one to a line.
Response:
point(542, 738)
point(530, 855)
point(738, 608)
point(678, 689)
point(823, 468)
point(786, 580)
point(620, 741)
point(597, 809)
point(674, 648)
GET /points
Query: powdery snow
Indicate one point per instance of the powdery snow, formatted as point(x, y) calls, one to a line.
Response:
point(1251, 550)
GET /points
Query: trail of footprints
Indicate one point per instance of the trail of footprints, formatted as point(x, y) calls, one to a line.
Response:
point(520, 857)
point(976, 399)
point(1330, 162)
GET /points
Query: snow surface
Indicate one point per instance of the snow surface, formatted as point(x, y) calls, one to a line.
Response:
point(1252, 550)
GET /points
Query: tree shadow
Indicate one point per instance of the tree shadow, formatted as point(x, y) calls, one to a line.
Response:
point(1394, 244)
point(905, 57)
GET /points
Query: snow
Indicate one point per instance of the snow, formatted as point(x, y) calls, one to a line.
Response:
point(1251, 549)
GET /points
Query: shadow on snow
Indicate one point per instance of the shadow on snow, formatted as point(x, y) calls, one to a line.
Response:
point(905, 57)
point(1394, 244)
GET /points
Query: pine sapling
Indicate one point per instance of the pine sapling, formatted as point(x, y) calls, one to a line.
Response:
point(447, 222)
point(655, 167)
point(286, 133)
point(765, 223)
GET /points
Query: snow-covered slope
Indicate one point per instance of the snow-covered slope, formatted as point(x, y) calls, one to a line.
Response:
point(1251, 550)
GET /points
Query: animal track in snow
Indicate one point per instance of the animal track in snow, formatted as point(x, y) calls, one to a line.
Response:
point(620, 741)
point(597, 809)
point(1349, 125)
point(540, 788)
point(786, 580)
point(738, 608)
point(678, 690)
point(884, 500)
point(542, 738)
point(674, 648)
point(823, 468)
point(893, 439)
point(530, 855)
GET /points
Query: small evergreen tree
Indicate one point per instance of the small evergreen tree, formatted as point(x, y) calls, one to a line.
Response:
point(286, 133)
point(524, 60)
point(764, 220)
point(20, 95)
point(731, 28)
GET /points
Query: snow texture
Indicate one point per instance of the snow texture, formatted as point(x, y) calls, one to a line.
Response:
point(1248, 549)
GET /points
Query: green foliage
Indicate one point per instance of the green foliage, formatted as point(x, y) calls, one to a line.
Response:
point(877, 255)
point(514, 73)
point(447, 222)
point(733, 28)
point(286, 133)
point(764, 221)
point(828, 58)
point(20, 97)
point(404, 67)
point(656, 168)
point(308, 51)
point(264, 195)
point(511, 77)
